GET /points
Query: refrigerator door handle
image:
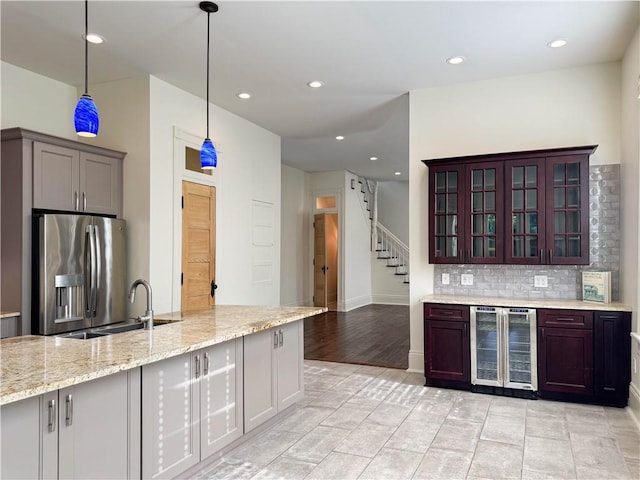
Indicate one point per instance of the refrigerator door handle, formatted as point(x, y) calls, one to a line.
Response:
point(499, 344)
point(505, 347)
point(94, 286)
point(97, 261)
point(88, 275)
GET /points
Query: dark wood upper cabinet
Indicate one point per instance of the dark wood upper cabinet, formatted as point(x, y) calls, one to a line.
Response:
point(511, 208)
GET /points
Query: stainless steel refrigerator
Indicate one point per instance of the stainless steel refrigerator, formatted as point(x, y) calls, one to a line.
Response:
point(503, 351)
point(79, 272)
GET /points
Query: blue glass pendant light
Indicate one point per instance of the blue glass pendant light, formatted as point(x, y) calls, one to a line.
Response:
point(85, 117)
point(208, 154)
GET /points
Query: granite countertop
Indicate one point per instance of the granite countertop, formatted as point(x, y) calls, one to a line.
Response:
point(526, 303)
point(9, 314)
point(32, 365)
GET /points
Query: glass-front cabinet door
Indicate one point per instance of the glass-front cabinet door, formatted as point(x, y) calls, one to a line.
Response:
point(524, 204)
point(485, 239)
point(446, 205)
point(486, 346)
point(567, 209)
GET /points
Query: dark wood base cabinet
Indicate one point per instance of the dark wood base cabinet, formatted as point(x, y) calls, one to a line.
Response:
point(584, 356)
point(447, 360)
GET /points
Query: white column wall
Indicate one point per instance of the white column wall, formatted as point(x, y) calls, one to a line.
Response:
point(295, 288)
point(630, 204)
point(562, 108)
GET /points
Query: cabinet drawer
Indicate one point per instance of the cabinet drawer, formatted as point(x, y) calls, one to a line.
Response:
point(565, 318)
point(446, 312)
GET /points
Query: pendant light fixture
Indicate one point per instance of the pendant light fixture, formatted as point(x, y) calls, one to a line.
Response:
point(208, 154)
point(85, 117)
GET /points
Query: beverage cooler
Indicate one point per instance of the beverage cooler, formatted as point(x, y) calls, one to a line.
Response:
point(503, 351)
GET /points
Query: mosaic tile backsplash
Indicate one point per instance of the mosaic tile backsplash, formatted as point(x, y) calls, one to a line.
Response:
point(564, 282)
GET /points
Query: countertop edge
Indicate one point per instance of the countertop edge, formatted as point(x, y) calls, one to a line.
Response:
point(527, 303)
point(250, 328)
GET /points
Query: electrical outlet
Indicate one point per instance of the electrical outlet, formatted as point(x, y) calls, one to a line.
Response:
point(445, 279)
point(540, 281)
point(466, 279)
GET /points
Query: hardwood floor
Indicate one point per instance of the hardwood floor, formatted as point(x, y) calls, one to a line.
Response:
point(371, 335)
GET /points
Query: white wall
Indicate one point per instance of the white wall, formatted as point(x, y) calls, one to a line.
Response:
point(248, 170)
point(630, 204)
point(562, 108)
point(124, 125)
point(295, 288)
point(36, 102)
point(393, 208)
point(356, 228)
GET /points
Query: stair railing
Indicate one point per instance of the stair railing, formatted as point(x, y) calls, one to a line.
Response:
point(393, 249)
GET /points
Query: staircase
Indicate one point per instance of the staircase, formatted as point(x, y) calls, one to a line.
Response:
point(393, 251)
point(388, 247)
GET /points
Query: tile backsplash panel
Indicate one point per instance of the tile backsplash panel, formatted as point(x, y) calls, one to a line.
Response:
point(564, 282)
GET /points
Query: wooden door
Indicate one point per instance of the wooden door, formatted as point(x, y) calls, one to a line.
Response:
point(319, 262)
point(447, 354)
point(325, 260)
point(198, 246)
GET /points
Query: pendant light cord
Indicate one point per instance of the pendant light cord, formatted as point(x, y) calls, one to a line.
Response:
point(208, 43)
point(86, 47)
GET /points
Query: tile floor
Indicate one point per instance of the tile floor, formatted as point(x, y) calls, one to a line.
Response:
point(360, 422)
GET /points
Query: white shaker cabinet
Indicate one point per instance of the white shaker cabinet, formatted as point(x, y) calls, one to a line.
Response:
point(74, 180)
point(191, 408)
point(89, 430)
point(274, 372)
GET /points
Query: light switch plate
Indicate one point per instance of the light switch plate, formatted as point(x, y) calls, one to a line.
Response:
point(540, 281)
point(445, 279)
point(466, 279)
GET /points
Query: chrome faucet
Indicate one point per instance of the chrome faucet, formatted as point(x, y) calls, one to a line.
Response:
point(147, 318)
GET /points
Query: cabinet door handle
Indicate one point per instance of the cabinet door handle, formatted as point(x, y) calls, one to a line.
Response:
point(464, 330)
point(75, 200)
point(84, 201)
point(68, 409)
point(280, 338)
point(275, 340)
point(550, 256)
point(52, 416)
point(197, 366)
point(541, 255)
point(206, 363)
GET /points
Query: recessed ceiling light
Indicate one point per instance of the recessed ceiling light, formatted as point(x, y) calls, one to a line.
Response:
point(373, 158)
point(243, 95)
point(560, 42)
point(339, 137)
point(94, 38)
point(455, 60)
point(398, 173)
point(315, 84)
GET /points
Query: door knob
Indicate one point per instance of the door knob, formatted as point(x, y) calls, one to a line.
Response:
point(324, 269)
point(213, 288)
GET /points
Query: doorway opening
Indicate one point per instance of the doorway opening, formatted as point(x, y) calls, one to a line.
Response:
point(325, 260)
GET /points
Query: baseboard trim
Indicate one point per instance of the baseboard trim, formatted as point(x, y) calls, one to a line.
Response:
point(390, 299)
point(634, 404)
point(416, 361)
point(357, 302)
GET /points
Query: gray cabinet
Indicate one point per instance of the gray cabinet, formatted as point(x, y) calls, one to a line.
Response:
point(192, 407)
point(274, 372)
point(30, 438)
point(43, 171)
point(89, 430)
point(73, 180)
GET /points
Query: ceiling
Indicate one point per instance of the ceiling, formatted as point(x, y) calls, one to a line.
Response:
point(368, 54)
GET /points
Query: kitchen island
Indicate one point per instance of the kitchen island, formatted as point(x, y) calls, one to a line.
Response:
point(163, 400)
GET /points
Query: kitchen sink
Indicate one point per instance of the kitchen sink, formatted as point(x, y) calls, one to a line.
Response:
point(111, 330)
